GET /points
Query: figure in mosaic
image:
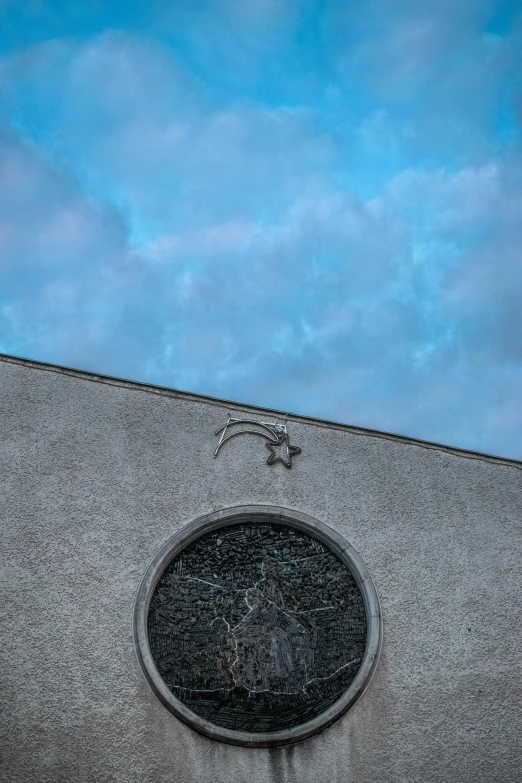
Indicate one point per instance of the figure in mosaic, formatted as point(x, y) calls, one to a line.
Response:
point(273, 648)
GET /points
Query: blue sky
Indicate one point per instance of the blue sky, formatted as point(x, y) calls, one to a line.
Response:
point(311, 206)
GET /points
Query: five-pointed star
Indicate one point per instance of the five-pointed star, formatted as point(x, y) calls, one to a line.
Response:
point(282, 451)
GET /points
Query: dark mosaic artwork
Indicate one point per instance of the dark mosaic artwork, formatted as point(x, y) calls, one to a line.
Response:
point(257, 627)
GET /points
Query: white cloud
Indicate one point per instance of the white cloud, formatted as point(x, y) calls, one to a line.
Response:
point(44, 217)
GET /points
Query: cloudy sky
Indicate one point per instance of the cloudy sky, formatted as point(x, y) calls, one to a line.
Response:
point(310, 205)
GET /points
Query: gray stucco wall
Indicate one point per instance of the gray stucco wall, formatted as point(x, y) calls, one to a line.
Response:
point(96, 475)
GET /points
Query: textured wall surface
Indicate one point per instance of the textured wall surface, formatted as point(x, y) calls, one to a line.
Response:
point(95, 475)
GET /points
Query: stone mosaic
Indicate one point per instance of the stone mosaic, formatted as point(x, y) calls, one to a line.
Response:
point(257, 627)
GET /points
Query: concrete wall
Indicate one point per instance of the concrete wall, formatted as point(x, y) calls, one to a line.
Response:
point(95, 475)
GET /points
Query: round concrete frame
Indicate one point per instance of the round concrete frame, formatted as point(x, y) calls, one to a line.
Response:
point(274, 515)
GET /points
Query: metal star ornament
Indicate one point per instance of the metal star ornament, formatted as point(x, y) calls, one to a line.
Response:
point(282, 451)
point(274, 433)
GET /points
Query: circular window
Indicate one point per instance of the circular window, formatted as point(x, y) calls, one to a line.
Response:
point(257, 625)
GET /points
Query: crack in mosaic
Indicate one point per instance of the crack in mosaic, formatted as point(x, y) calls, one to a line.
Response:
point(257, 627)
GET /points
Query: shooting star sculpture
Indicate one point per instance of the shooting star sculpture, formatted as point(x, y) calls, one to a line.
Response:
point(274, 433)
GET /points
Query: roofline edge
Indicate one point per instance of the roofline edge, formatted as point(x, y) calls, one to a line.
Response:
point(298, 417)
